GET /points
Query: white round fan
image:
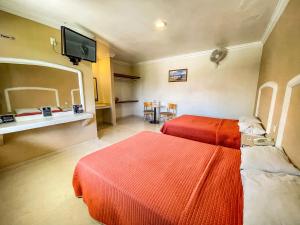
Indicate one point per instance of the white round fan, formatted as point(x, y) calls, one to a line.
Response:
point(218, 55)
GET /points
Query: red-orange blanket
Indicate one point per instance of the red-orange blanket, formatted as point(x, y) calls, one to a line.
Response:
point(210, 130)
point(156, 179)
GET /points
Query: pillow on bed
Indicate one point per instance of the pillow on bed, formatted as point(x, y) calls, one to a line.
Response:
point(253, 129)
point(270, 199)
point(267, 158)
point(244, 125)
point(249, 119)
point(28, 111)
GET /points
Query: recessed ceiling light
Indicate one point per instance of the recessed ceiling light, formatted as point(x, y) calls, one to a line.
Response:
point(160, 24)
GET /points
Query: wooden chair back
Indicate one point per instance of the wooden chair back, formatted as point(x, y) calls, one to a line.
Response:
point(172, 108)
point(147, 105)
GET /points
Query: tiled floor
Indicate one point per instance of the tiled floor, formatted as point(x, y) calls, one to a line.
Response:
point(40, 192)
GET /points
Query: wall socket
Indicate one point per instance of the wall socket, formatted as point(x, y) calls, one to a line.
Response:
point(53, 41)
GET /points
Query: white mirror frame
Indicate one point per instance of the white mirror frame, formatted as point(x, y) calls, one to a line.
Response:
point(51, 65)
point(285, 108)
point(274, 86)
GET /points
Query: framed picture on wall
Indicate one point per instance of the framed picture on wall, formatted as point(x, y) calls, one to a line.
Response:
point(96, 89)
point(178, 75)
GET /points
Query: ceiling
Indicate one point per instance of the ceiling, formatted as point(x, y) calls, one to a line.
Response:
point(128, 25)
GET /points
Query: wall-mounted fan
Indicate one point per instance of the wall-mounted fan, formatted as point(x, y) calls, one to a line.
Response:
point(218, 55)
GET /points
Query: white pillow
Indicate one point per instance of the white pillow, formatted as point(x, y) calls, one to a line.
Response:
point(267, 158)
point(244, 125)
point(270, 199)
point(249, 119)
point(254, 129)
point(27, 110)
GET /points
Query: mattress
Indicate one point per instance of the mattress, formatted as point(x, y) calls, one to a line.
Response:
point(224, 132)
point(157, 179)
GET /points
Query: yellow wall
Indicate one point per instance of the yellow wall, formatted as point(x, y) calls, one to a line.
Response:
point(102, 71)
point(280, 63)
point(32, 42)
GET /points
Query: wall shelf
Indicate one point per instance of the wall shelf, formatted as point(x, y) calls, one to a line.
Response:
point(119, 75)
point(38, 121)
point(102, 106)
point(127, 101)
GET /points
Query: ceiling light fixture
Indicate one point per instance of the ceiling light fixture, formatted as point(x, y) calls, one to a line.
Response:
point(160, 24)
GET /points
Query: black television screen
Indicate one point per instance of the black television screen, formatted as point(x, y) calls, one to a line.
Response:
point(77, 46)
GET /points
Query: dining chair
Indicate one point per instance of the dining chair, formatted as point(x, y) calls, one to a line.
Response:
point(148, 110)
point(170, 113)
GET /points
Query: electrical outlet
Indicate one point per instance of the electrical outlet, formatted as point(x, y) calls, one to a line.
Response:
point(53, 41)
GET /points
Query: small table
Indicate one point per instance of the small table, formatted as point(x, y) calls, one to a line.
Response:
point(154, 121)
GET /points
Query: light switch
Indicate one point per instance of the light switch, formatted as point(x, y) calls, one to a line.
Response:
point(53, 41)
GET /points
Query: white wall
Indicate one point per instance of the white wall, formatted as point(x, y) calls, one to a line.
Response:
point(227, 91)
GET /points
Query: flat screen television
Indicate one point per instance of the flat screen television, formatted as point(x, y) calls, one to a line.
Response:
point(77, 46)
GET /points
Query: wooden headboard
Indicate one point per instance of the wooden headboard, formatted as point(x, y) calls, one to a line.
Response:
point(265, 105)
point(289, 124)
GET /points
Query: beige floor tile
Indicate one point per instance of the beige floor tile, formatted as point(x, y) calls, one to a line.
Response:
point(39, 192)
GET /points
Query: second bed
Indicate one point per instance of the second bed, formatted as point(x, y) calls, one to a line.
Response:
point(216, 131)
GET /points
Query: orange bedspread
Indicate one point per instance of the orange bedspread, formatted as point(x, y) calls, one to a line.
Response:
point(156, 179)
point(210, 130)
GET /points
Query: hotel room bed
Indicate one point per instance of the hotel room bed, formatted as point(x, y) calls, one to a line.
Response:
point(157, 179)
point(224, 132)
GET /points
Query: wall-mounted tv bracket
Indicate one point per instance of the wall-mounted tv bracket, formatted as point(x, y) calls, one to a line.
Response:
point(74, 60)
point(6, 36)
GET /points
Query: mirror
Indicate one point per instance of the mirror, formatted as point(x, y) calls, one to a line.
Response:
point(25, 88)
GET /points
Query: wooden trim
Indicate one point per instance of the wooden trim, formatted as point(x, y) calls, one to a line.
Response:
point(127, 101)
point(126, 76)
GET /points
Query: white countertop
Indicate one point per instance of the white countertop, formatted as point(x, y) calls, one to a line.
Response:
point(38, 121)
